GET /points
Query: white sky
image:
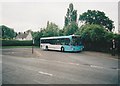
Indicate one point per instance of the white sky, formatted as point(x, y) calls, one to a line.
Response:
point(34, 15)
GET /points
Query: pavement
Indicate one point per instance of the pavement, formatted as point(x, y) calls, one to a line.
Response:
point(20, 66)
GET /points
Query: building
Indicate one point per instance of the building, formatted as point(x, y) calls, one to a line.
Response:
point(24, 36)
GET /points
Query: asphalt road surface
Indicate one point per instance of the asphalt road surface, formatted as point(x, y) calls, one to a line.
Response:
point(20, 66)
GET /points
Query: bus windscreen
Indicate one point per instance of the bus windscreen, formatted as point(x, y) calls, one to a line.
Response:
point(76, 41)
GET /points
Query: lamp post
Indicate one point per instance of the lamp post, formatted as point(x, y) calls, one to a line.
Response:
point(32, 46)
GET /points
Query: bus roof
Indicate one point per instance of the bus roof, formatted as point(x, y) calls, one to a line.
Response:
point(56, 37)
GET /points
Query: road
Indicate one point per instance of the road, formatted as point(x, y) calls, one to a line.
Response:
point(51, 67)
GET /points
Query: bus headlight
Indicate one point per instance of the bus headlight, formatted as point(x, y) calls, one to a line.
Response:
point(73, 48)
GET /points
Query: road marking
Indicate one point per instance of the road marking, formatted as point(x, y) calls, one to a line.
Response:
point(12, 52)
point(117, 69)
point(88, 65)
point(67, 63)
point(60, 62)
point(38, 82)
point(44, 73)
point(73, 63)
point(94, 66)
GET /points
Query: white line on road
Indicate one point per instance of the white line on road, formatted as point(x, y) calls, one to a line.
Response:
point(94, 66)
point(118, 69)
point(45, 73)
point(67, 63)
point(60, 62)
point(38, 82)
point(74, 63)
point(12, 52)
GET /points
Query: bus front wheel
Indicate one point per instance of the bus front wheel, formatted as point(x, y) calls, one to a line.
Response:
point(62, 49)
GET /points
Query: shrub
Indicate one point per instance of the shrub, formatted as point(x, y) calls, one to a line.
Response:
point(96, 38)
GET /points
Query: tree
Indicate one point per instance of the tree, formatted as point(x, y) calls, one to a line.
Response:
point(36, 36)
point(71, 15)
point(95, 37)
point(92, 32)
point(97, 17)
point(70, 26)
point(70, 29)
point(61, 32)
point(7, 33)
point(51, 30)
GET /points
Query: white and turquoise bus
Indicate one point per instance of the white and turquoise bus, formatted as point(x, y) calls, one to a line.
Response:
point(62, 43)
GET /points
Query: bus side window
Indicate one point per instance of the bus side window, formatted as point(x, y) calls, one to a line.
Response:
point(57, 41)
point(42, 41)
point(61, 41)
point(52, 41)
point(67, 41)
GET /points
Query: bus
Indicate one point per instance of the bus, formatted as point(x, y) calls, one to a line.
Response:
point(62, 43)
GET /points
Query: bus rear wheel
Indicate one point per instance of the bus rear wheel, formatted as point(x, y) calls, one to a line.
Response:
point(62, 49)
point(46, 48)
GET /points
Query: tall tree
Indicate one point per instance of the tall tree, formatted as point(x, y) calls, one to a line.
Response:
point(71, 25)
point(71, 15)
point(97, 17)
point(61, 32)
point(71, 29)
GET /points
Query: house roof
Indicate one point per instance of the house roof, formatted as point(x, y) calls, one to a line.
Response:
point(21, 35)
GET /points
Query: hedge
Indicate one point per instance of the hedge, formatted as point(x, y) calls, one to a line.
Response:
point(102, 45)
point(16, 43)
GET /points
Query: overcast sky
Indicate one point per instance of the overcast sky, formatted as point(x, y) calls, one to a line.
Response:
point(34, 15)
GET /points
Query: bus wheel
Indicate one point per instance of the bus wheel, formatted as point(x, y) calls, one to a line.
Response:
point(62, 49)
point(46, 47)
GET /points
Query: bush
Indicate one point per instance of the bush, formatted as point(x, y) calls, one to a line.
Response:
point(117, 38)
point(96, 38)
point(16, 43)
